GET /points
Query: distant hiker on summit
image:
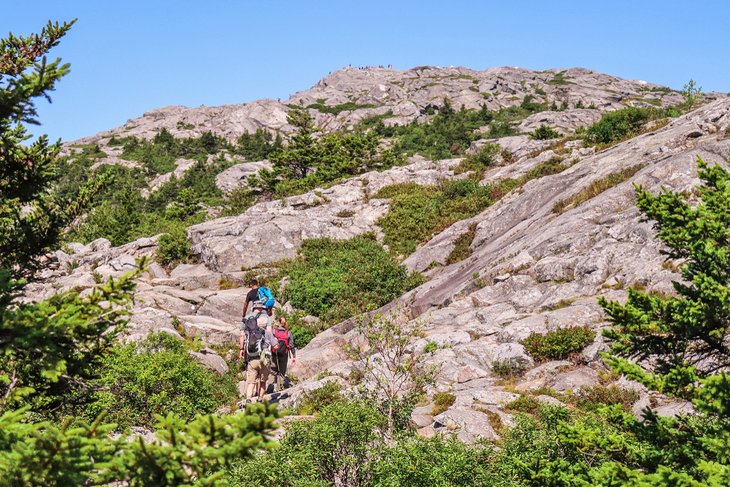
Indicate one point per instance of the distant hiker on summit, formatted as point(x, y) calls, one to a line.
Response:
point(261, 300)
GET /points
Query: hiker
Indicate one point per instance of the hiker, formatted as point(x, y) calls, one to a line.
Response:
point(280, 353)
point(256, 344)
point(261, 299)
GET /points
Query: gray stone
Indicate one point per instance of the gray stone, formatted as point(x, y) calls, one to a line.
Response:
point(211, 360)
point(573, 380)
point(236, 177)
point(469, 425)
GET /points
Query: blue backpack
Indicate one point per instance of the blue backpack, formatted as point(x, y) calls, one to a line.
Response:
point(265, 296)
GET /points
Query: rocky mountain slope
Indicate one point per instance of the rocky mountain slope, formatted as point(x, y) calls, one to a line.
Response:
point(537, 262)
point(349, 95)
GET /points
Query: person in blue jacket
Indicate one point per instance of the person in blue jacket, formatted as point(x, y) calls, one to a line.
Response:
point(261, 299)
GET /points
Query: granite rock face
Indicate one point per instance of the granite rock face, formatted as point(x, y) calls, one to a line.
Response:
point(348, 95)
point(272, 231)
point(531, 268)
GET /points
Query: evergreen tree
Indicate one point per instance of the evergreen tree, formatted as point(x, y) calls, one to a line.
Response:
point(300, 156)
point(50, 350)
point(30, 217)
point(680, 345)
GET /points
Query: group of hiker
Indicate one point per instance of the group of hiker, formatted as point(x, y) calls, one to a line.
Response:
point(265, 350)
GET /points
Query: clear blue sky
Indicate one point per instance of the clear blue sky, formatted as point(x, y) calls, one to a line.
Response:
point(130, 56)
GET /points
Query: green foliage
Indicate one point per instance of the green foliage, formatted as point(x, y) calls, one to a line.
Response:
point(335, 448)
point(509, 368)
point(337, 109)
point(441, 402)
point(691, 92)
point(418, 212)
point(478, 162)
point(315, 401)
point(682, 335)
point(558, 79)
point(157, 376)
point(51, 351)
point(622, 124)
point(258, 146)
point(425, 462)
point(676, 343)
point(594, 397)
point(450, 132)
point(462, 245)
point(31, 216)
point(121, 214)
point(173, 248)
point(394, 376)
point(545, 132)
point(558, 344)
point(307, 162)
point(336, 279)
point(196, 453)
point(524, 404)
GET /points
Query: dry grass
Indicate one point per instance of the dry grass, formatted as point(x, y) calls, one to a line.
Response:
point(596, 188)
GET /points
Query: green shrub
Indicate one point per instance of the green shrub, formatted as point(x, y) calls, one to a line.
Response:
point(441, 402)
point(524, 404)
point(316, 400)
point(418, 212)
point(173, 247)
point(545, 132)
point(593, 397)
point(450, 132)
point(336, 279)
point(509, 368)
point(258, 146)
point(558, 344)
point(478, 162)
point(618, 125)
point(430, 347)
point(558, 79)
point(335, 448)
point(426, 462)
point(157, 376)
point(337, 109)
point(462, 245)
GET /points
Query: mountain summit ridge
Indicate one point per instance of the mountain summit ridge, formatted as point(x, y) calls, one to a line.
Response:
point(346, 96)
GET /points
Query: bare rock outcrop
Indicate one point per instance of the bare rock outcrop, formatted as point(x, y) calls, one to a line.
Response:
point(534, 268)
point(272, 231)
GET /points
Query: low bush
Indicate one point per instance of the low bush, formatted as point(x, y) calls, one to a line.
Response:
point(157, 376)
point(335, 448)
point(173, 248)
point(337, 279)
point(558, 344)
point(418, 212)
point(545, 132)
point(478, 162)
point(316, 400)
point(441, 402)
point(462, 245)
point(524, 404)
point(593, 397)
point(426, 462)
point(342, 107)
point(509, 368)
point(622, 124)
